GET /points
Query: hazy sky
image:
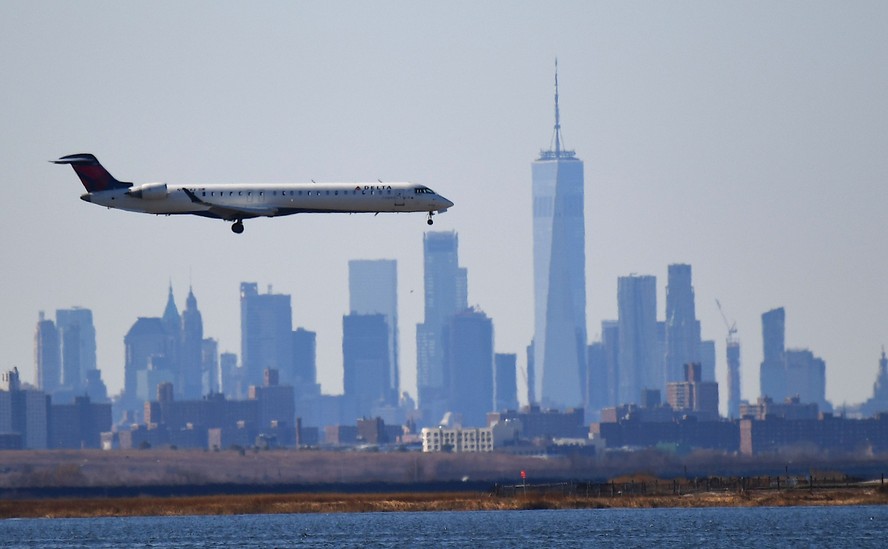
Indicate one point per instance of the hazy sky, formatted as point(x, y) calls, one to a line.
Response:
point(749, 139)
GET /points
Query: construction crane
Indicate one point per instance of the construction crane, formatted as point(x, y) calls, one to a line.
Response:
point(731, 326)
point(732, 353)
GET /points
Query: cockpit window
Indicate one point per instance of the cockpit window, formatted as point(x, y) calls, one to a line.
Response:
point(423, 190)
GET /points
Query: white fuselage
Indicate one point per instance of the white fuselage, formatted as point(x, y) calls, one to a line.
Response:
point(242, 201)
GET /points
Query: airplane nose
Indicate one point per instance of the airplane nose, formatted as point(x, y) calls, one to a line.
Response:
point(447, 203)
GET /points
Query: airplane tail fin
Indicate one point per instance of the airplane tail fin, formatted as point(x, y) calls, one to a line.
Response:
point(92, 174)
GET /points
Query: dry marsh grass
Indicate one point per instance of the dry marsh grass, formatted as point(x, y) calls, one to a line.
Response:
point(415, 502)
point(20, 470)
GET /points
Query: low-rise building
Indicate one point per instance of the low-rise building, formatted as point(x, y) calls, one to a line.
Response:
point(684, 433)
point(693, 396)
point(78, 425)
point(545, 424)
point(790, 408)
point(24, 412)
point(826, 434)
point(459, 440)
point(216, 422)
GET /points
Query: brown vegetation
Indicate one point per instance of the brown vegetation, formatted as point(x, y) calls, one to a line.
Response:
point(469, 501)
point(638, 479)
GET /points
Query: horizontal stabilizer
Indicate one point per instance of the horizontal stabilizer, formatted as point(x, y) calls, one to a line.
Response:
point(92, 174)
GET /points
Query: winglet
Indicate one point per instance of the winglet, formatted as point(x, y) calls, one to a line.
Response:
point(92, 174)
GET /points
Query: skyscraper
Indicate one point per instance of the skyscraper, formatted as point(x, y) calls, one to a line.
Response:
point(304, 357)
point(733, 357)
point(172, 325)
point(191, 354)
point(596, 379)
point(790, 372)
point(77, 337)
point(610, 337)
point(46, 355)
point(209, 351)
point(682, 328)
point(505, 382)
point(147, 347)
point(229, 383)
point(806, 377)
point(365, 356)
point(603, 375)
point(559, 267)
point(879, 401)
point(446, 293)
point(773, 370)
point(266, 332)
point(373, 289)
point(637, 324)
point(707, 360)
point(468, 354)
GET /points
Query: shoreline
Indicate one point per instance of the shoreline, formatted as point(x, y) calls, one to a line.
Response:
point(423, 502)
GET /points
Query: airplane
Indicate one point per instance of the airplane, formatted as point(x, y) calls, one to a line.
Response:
point(236, 202)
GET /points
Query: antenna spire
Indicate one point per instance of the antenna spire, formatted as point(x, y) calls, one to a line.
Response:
point(557, 115)
point(556, 150)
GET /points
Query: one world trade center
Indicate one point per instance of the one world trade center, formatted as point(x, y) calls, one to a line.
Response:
point(559, 267)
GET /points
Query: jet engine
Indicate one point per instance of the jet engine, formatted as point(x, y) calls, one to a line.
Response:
point(149, 191)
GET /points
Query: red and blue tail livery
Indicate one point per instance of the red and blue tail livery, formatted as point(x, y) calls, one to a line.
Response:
point(92, 174)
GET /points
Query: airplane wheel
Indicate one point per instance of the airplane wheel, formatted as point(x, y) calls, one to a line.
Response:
point(238, 227)
point(430, 222)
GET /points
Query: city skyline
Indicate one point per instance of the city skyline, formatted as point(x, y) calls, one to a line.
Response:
point(642, 348)
point(743, 139)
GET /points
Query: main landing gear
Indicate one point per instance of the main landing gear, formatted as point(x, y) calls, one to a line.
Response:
point(430, 221)
point(238, 227)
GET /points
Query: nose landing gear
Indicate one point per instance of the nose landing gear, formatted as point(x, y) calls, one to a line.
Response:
point(430, 221)
point(238, 227)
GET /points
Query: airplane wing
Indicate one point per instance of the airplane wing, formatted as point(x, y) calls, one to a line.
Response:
point(229, 213)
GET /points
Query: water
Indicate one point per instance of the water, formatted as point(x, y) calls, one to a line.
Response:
point(712, 527)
